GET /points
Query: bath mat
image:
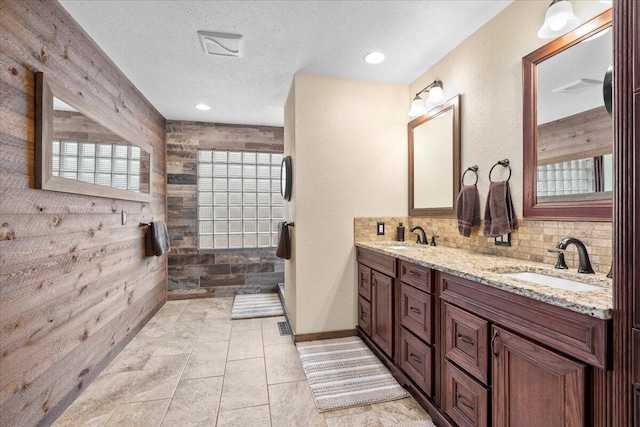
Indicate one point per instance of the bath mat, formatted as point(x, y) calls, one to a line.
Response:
point(343, 373)
point(256, 305)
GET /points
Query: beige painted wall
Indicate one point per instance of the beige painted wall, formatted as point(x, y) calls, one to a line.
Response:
point(486, 69)
point(290, 206)
point(350, 161)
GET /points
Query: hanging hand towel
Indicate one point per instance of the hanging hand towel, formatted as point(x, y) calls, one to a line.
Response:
point(284, 241)
point(499, 215)
point(157, 239)
point(468, 209)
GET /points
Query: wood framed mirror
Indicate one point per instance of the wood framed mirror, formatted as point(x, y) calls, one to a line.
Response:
point(568, 132)
point(79, 150)
point(434, 161)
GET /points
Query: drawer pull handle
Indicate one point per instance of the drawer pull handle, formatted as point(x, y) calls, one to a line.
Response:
point(415, 310)
point(496, 336)
point(465, 339)
point(461, 399)
point(415, 273)
point(415, 358)
point(363, 314)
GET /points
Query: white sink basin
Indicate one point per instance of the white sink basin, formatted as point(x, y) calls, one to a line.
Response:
point(552, 282)
point(397, 247)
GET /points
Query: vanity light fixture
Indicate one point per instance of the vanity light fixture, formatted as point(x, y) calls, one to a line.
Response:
point(203, 107)
point(374, 57)
point(436, 97)
point(559, 20)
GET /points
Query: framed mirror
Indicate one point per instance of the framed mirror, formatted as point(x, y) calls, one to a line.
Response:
point(434, 160)
point(568, 132)
point(79, 150)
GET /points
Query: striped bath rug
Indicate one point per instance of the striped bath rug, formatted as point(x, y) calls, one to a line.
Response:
point(256, 305)
point(343, 373)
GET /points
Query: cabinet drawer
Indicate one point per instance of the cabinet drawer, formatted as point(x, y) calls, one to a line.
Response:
point(636, 357)
point(364, 281)
point(364, 315)
point(465, 401)
point(383, 263)
point(416, 275)
point(416, 312)
point(467, 341)
point(416, 360)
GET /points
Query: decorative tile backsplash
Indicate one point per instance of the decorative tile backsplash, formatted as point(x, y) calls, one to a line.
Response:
point(529, 242)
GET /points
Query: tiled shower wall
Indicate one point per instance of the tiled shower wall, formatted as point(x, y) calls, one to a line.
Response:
point(529, 242)
point(195, 273)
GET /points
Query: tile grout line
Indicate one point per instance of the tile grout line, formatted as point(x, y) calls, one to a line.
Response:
point(266, 379)
point(224, 375)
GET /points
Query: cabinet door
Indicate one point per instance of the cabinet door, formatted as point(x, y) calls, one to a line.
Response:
point(382, 312)
point(416, 311)
point(533, 386)
point(364, 315)
point(364, 281)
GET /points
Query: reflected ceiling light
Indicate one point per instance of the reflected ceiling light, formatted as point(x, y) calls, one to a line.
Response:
point(374, 57)
point(436, 97)
point(203, 107)
point(559, 20)
point(597, 35)
point(606, 1)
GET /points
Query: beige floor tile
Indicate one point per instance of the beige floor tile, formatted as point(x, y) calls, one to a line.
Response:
point(158, 379)
point(139, 414)
point(246, 324)
point(283, 363)
point(195, 403)
point(133, 357)
point(292, 405)
point(347, 411)
point(273, 319)
point(368, 419)
point(215, 330)
point(245, 344)
point(271, 334)
point(399, 411)
point(179, 340)
point(96, 404)
point(257, 416)
point(207, 359)
point(158, 327)
point(245, 384)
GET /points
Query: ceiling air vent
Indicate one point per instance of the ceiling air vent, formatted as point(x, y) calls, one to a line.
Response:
point(578, 86)
point(221, 44)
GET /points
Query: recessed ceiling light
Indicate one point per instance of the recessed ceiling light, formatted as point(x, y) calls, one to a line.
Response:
point(203, 107)
point(374, 57)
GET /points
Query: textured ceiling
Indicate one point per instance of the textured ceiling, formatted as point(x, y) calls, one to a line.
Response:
point(155, 44)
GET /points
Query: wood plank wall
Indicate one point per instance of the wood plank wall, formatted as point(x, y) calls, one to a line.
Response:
point(192, 273)
point(74, 283)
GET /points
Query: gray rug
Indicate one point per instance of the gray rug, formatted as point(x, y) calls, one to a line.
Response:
point(420, 423)
point(343, 373)
point(256, 305)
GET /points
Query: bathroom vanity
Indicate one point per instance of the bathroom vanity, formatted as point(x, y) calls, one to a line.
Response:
point(479, 347)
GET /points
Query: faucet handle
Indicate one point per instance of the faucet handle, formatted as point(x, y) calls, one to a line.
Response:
point(561, 263)
point(418, 238)
point(433, 240)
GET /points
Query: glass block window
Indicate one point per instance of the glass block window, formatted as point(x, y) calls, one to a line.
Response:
point(108, 164)
point(239, 200)
point(572, 177)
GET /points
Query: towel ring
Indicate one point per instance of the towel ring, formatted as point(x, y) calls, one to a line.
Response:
point(473, 169)
point(503, 163)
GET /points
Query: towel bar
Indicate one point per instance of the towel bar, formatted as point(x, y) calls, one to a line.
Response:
point(503, 163)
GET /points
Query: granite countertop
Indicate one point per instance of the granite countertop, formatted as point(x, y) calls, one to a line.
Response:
point(485, 269)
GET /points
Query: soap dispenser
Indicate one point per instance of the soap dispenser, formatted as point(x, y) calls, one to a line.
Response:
point(400, 233)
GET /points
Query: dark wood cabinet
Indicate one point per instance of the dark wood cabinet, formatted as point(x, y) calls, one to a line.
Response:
point(466, 341)
point(533, 386)
point(364, 281)
point(465, 401)
point(416, 359)
point(364, 315)
point(416, 312)
point(382, 311)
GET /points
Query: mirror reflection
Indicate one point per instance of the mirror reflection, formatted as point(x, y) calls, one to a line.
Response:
point(574, 129)
point(84, 150)
point(434, 161)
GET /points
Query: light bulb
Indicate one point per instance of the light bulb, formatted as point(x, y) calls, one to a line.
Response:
point(417, 107)
point(557, 24)
point(436, 95)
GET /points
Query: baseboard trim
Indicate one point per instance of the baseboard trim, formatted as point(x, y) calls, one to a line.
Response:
point(324, 335)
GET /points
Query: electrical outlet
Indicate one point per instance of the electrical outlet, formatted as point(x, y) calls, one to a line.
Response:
point(380, 229)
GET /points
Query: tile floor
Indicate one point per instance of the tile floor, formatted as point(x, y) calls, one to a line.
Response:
point(191, 365)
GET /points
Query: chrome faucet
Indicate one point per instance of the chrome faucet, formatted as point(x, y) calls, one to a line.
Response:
point(583, 256)
point(424, 235)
